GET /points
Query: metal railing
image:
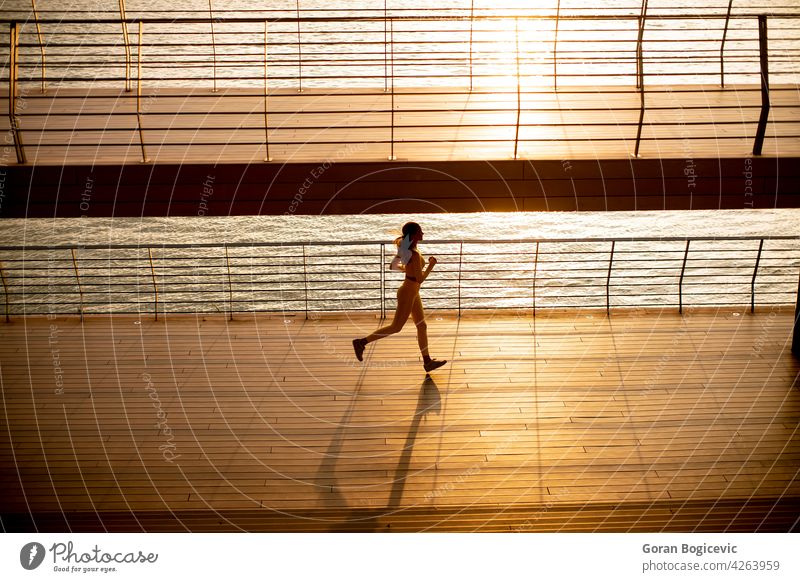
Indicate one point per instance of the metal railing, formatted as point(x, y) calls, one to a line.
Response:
point(308, 277)
point(424, 60)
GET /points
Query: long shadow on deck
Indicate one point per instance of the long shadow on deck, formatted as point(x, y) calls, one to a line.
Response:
point(366, 519)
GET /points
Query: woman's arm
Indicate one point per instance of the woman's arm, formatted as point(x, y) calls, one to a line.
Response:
point(397, 264)
point(422, 275)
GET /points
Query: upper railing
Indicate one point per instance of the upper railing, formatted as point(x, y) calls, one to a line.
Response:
point(160, 79)
point(310, 277)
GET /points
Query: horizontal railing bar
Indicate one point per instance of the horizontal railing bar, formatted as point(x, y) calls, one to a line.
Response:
point(136, 288)
point(285, 60)
point(745, 297)
point(279, 128)
point(193, 312)
point(365, 56)
point(405, 9)
point(446, 309)
point(382, 111)
point(345, 77)
point(300, 297)
point(411, 42)
point(574, 43)
point(274, 43)
point(398, 76)
point(315, 277)
point(661, 262)
point(374, 77)
point(664, 279)
point(332, 309)
point(397, 141)
point(401, 62)
point(146, 266)
point(401, 9)
point(300, 292)
point(258, 25)
point(222, 20)
point(618, 56)
point(378, 242)
point(574, 90)
point(416, 31)
point(775, 278)
point(743, 288)
point(191, 50)
point(223, 290)
point(601, 283)
point(415, 61)
point(260, 300)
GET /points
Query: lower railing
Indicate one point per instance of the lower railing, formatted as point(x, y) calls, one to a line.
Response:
point(307, 277)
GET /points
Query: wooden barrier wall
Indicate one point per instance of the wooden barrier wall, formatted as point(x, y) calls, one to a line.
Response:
point(388, 187)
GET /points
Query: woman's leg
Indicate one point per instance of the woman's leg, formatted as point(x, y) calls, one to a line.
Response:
point(418, 314)
point(405, 301)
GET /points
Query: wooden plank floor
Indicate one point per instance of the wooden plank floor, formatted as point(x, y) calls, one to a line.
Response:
point(644, 420)
point(195, 125)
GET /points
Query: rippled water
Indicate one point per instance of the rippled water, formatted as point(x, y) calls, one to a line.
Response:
point(349, 54)
point(379, 227)
point(331, 273)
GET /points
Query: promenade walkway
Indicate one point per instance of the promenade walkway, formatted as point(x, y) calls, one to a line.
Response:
point(184, 126)
point(573, 421)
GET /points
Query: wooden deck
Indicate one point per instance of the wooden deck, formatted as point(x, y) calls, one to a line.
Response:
point(99, 126)
point(646, 421)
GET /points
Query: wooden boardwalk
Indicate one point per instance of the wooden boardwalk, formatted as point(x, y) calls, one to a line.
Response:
point(648, 421)
point(184, 126)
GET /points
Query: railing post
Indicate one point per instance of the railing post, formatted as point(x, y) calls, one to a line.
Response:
point(299, 54)
point(535, 270)
point(764, 54)
point(608, 278)
point(13, 71)
point(305, 280)
point(78, 279)
point(555, 47)
point(123, 18)
point(41, 45)
point(640, 76)
point(213, 47)
point(139, 94)
point(722, 45)
point(680, 281)
point(383, 280)
point(519, 97)
point(5, 290)
point(230, 283)
point(753, 282)
point(471, 26)
point(155, 286)
point(267, 158)
point(385, 47)
point(796, 329)
point(392, 157)
point(460, 262)
point(639, 54)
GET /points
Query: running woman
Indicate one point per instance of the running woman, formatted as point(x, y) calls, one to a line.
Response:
point(410, 261)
